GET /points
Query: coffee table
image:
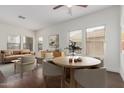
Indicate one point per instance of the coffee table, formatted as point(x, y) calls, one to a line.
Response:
point(15, 61)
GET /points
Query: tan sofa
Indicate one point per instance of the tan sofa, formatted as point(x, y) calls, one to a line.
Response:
point(55, 53)
point(9, 55)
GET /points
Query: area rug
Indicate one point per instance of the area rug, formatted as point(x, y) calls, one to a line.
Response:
point(7, 69)
point(2, 78)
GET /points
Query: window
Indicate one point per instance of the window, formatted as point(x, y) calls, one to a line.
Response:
point(40, 43)
point(75, 42)
point(13, 42)
point(95, 38)
point(28, 43)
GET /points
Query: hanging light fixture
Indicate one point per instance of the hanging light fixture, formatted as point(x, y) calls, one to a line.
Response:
point(69, 9)
point(69, 6)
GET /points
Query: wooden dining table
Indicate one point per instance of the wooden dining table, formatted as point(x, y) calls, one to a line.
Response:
point(86, 62)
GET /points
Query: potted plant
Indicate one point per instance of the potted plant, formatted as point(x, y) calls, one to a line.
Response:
point(73, 47)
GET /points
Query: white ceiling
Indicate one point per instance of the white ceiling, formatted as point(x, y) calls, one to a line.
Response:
point(38, 17)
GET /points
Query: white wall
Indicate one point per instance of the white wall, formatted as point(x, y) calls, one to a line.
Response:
point(7, 29)
point(109, 17)
point(122, 52)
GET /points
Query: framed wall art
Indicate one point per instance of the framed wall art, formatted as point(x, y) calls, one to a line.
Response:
point(54, 41)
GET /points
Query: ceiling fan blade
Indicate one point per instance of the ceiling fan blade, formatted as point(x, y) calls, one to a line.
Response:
point(58, 6)
point(82, 5)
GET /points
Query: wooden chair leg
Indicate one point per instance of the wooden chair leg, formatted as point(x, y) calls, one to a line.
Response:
point(61, 81)
point(15, 68)
point(45, 81)
point(21, 71)
point(37, 65)
point(32, 71)
point(76, 84)
point(21, 74)
point(64, 77)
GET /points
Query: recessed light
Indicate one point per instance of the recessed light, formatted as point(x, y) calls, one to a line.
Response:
point(21, 17)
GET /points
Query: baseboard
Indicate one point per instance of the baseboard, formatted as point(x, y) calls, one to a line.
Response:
point(112, 70)
point(122, 74)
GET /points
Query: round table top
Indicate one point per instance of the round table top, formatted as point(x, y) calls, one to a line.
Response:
point(86, 62)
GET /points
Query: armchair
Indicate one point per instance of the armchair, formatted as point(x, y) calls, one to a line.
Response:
point(27, 63)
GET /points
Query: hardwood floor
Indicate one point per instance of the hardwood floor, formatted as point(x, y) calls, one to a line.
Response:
point(114, 80)
point(35, 80)
point(2, 78)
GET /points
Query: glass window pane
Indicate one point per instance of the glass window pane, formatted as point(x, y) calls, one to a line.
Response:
point(28, 43)
point(13, 42)
point(40, 43)
point(75, 42)
point(95, 38)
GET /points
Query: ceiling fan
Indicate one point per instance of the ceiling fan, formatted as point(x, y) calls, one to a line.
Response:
point(58, 6)
point(69, 7)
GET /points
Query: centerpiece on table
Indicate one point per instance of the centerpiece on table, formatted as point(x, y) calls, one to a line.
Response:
point(73, 47)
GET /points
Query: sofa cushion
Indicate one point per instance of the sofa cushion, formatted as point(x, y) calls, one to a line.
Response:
point(27, 54)
point(16, 52)
point(15, 56)
point(8, 52)
point(25, 51)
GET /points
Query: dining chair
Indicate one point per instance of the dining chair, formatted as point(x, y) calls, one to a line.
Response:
point(51, 70)
point(91, 78)
point(26, 63)
point(39, 61)
point(102, 61)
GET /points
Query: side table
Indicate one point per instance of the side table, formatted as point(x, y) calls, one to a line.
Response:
point(15, 61)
